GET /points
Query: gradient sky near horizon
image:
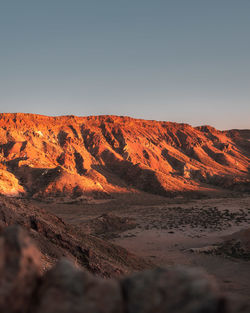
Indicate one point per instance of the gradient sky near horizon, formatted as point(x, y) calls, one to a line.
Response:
point(177, 60)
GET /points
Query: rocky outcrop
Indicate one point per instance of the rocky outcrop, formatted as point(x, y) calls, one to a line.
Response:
point(67, 289)
point(56, 239)
point(177, 291)
point(108, 225)
point(76, 291)
point(103, 156)
point(19, 270)
point(236, 245)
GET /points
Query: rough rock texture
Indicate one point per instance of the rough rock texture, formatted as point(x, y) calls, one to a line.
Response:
point(101, 156)
point(66, 289)
point(175, 291)
point(236, 245)
point(108, 225)
point(56, 239)
point(19, 270)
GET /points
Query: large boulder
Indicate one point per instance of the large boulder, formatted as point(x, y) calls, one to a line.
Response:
point(19, 270)
point(171, 291)
point(67, 289)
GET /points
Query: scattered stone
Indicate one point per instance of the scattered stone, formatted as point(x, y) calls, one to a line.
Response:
point(207, 249)
point(210, 218)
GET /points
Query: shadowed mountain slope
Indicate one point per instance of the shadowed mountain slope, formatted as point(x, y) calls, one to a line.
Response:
point(99, 156)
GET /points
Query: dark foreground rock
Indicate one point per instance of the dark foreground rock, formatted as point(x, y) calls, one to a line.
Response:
point(68, 289)
point(176, 291)
point(19, 270)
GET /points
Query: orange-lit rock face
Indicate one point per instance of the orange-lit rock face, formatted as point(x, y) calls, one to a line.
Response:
point(102, 155)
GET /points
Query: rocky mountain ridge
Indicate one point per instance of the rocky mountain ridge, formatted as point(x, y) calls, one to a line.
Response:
point(102, 156)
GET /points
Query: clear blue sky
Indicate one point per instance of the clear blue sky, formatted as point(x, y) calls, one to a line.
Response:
point(178, 60)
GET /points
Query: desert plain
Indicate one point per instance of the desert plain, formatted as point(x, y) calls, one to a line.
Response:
point(171, 232)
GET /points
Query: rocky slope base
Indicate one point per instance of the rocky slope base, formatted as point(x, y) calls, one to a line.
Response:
point(65, 288)
point(108, 225)
point(56, 239)
point(236, 245)
point(103, 156)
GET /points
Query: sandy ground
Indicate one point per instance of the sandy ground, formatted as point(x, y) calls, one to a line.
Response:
point(167, 228)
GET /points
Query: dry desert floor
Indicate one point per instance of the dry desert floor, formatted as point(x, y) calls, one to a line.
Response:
point(164, 230)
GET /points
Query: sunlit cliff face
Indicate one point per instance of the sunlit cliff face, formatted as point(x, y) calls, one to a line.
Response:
point(100, 156)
